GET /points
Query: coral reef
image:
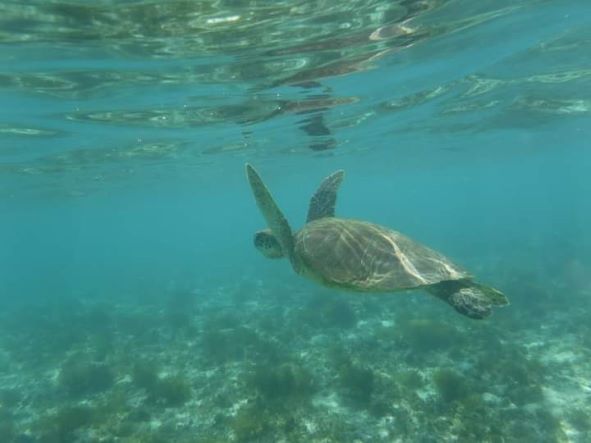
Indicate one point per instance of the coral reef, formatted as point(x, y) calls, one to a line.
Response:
point(450, 385)
point(286, 382)
point(297, 367)
point(171, 390)
point(78, 376)
point(357, 382)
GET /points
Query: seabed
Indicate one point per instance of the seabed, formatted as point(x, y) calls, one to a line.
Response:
point(254, 362)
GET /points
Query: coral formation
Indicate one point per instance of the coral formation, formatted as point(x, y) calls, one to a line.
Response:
point(286, 382)
point(80, 376)
point(357, 382)
point(172, 390)
point(450, 385)
point(289, 368)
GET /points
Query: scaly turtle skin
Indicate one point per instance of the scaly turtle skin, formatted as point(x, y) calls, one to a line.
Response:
point(362, 256)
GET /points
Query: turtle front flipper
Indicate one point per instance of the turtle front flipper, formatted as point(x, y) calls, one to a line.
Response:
point(469, 298)
point(323, 201)
point(273, 215)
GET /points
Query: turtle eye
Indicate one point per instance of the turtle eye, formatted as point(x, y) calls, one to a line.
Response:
point(260, 240)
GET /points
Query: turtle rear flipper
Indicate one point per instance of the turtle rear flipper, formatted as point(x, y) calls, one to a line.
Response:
point(469, 298)
point(323, 201)
point(273, 215)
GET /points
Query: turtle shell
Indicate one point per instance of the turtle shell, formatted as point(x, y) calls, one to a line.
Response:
point(363, 256)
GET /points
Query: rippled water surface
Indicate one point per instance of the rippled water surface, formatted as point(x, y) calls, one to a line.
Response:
point(106, 94)
point(133, 306)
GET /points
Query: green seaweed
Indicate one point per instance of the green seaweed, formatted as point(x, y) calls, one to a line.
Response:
point(450, 385)
point(251, 423)
point(357, 383)
point(549, 424)
point(179, 311)
point(580, 418)
point(7, 429)
point(410, 379)
point(523, 377)
point(523, 395)
point(425, 335)
point(145, 375)
point(10, 397)
point(468, 413)
point(289, 381)
point(79, 376)
point(173, 390)
point(148, 436)
point(257, 421)
point(329, 312)
point(61, 425)
point(220, 346)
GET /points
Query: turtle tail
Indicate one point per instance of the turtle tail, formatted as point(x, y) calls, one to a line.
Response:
point(469, 298)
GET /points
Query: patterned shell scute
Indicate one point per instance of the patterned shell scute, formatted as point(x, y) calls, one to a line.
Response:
point(364, 256)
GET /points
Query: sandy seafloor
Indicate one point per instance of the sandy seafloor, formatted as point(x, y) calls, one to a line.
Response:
point(262, 363)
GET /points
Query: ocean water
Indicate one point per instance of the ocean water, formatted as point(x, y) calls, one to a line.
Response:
point(133, 304)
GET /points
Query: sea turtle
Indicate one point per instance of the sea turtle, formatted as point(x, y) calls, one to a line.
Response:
point(362, 256)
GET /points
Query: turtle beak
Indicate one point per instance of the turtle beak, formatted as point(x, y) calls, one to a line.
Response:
point(267, 244)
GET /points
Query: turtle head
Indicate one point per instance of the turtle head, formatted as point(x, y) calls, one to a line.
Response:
point(267, 244)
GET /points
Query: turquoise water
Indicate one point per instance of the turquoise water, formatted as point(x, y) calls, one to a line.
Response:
point(134, 307)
